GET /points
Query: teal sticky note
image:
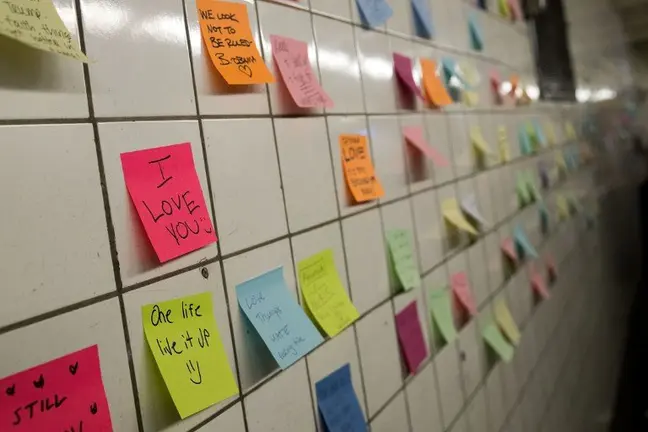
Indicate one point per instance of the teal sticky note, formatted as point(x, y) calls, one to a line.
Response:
point(422, 19)
point(523, 243)
point(277, 318)
point(449, 68)
point(539, 132)
point(476, 39)
point(544, 217)
point(374, 12)
point(524, 141)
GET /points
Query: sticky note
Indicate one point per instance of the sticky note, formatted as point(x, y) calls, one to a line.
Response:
point(276, 316)
point(38, 25)
point(515, 82)
point(522, 190)
point(403, 67)
point(526, 148)
point(476, 39)
point(538, 284)
point(423, 18)
point(470, 74)
point(291, 57)
point(440, 304)
point(434, 88)
point(496, 341)
point(164, 187)
point(539, 133)
point(570, 131)
point(478, 141)
point(559, 159)
point(508, 248)
point(324, 293)
point(63, 394)
point(461, 289)
point(504, 9)
point(225, 29)
point(563, 207)
point(470, 98)
point(189, 353)
point(551, 134)
point(414, 136)
point(503, 144)
point(338, 402)
point(453, 215)
point(358, 168)
point(523, 242)
point(531, 133)
point(401, 253)
point(374, 12)
point(410, 337)
point(469, 206)
point(516, 11)
point(506, 322)
point(531, 186)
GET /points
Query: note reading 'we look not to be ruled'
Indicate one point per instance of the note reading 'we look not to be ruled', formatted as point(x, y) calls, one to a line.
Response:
point(358, 169)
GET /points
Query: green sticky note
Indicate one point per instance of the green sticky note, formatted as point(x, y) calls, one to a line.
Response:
point(402, 256)
point(522, 190)
point(531, 187)
point(440, 304)
point(493, 336)
point(189, 353)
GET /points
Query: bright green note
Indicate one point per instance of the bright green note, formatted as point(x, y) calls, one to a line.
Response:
point(402, 256)
point(440, 304)
point(188, 350)
point(495, 339)
point(524, 197)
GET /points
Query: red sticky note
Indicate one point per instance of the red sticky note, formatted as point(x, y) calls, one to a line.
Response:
point(291, 57)
point(403, 66)
point(414, 136)
point(509, 249)
point(164, 187)
point(461, 289)
point(410, 337)
point(538, 283)
point(66, 394)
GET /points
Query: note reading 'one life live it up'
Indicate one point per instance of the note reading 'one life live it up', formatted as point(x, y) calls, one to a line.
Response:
point(338, 403)
point(65, 394)
point(225, 29)
point(401, 252)
point(37, 23)
point(164, 187)
point(188, 350)
point(358, 169)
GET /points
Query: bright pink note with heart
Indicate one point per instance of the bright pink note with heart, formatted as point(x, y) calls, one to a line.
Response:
point(164, 187)
point(509, 249)
point(414, 136)
point(403, 66)
point(410, 336)
point(66, 394)
point(461, 289)
point(291, 57)
point(538, 283)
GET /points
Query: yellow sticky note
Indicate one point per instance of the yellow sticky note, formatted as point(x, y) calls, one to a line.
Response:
point(188, 350)
point(470, 74)
point(503, 8)
point(478, 141)
point(470, 98)
point(506, 322)
point(563, 207)
point(452, 213)
point(570, 131)
point(502, 139)
point(551, 134)
point(38, 24)
point(559, 158)
point(324, 294)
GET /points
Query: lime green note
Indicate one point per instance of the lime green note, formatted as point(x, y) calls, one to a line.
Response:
point(440, 304)
point(37, 24)
point(522, 190)
point(324, 294)
point(188, 350)
point(532, 189)
point(402, 256)
point(496, 340)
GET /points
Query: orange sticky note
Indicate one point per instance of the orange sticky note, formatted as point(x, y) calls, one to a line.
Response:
point(434, 88)
point(515, 82)
point(291, 57)
point(358, 168)
point(414, 136)
point(225, 29)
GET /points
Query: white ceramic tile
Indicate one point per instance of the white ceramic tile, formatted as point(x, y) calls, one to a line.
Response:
point(450, 385)
point(340, 9)
point(493, 388)
point(377, 69)
point(477, 412)
point(471, 371)
point(393, 417)
point(388, 152)
point(423, 402)
point(478, 266)
point(429, 229)
point(461, 148)
point(400, 21)
point(230, 420)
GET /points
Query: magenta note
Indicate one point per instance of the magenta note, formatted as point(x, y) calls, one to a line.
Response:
point(65, 394)
point(410, 336)
point(461, 289)
point(164, 187)
point(292, 60)
point(414, 136)
point(403, 66)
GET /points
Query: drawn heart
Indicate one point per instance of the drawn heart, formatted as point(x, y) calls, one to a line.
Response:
point(11, 390)
point(93, 408)
point(246, 70)
point(40, 383)
point(73, 368)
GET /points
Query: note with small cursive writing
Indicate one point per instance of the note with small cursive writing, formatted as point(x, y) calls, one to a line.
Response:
point(401, 252)
point(338, 403)
point(410, 337)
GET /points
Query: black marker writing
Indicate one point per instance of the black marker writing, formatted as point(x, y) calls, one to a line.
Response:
point(159, 162)
point(39, 405)
point(160, 317)
point(193, 370)
point(168, 347)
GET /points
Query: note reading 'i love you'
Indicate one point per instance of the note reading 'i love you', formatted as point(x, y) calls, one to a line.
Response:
point(225, 29)
point(358, 168)
point(164, 187)
point(65, 394)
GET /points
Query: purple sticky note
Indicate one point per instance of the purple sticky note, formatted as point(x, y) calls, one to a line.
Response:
point(410, 337)
point(403, 66)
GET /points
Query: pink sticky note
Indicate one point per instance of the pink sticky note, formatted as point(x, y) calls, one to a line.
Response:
point(164, 187)
point(461, 289)
point(403, 66)
point(515, 7)
point(414, 136)
point(538, 284)
point(66, 394)
point(509, 249)
point(410, 336)
point(291, 56)
point(551, 266)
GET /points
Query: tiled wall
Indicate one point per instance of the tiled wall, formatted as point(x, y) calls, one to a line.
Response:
point(76, 268)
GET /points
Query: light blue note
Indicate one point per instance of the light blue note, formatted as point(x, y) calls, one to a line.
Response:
point(276, 316)
point(542, 139)
point(525, 142)
point(374, 12)
point(474, 29)
point(423, 19)
point(523, 243)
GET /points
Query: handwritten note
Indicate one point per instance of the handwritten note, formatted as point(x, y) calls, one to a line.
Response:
point(226, 32)
point(423, 18)
point(432, 85)
point(461, 289)
point(291, 57)
point(508, 247)
point(403, 67)
point(453, 215)
point(274, 313)
point(402, 256)
point(476, 39)
point(440, 304)
point(410, 337)
point(538, 283)
point(65, 394)
point(470, 207)
point(506, 322)
point(374, 12)
point(338, 403)
point(496, 341)
point(503, 144)
point(359, 171)
point(188, 350)
point(523, 243)
point(324, 293)
point(38, 24)
point(414, 136)
point(165, 190)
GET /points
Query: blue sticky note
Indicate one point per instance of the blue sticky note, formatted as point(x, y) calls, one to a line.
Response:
point(338, 403)
point(542, 139)
point(422, 19)
point(525, 142)
point(374, 12)
point(474, 29)
point(523, 243)
point(276, 316)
